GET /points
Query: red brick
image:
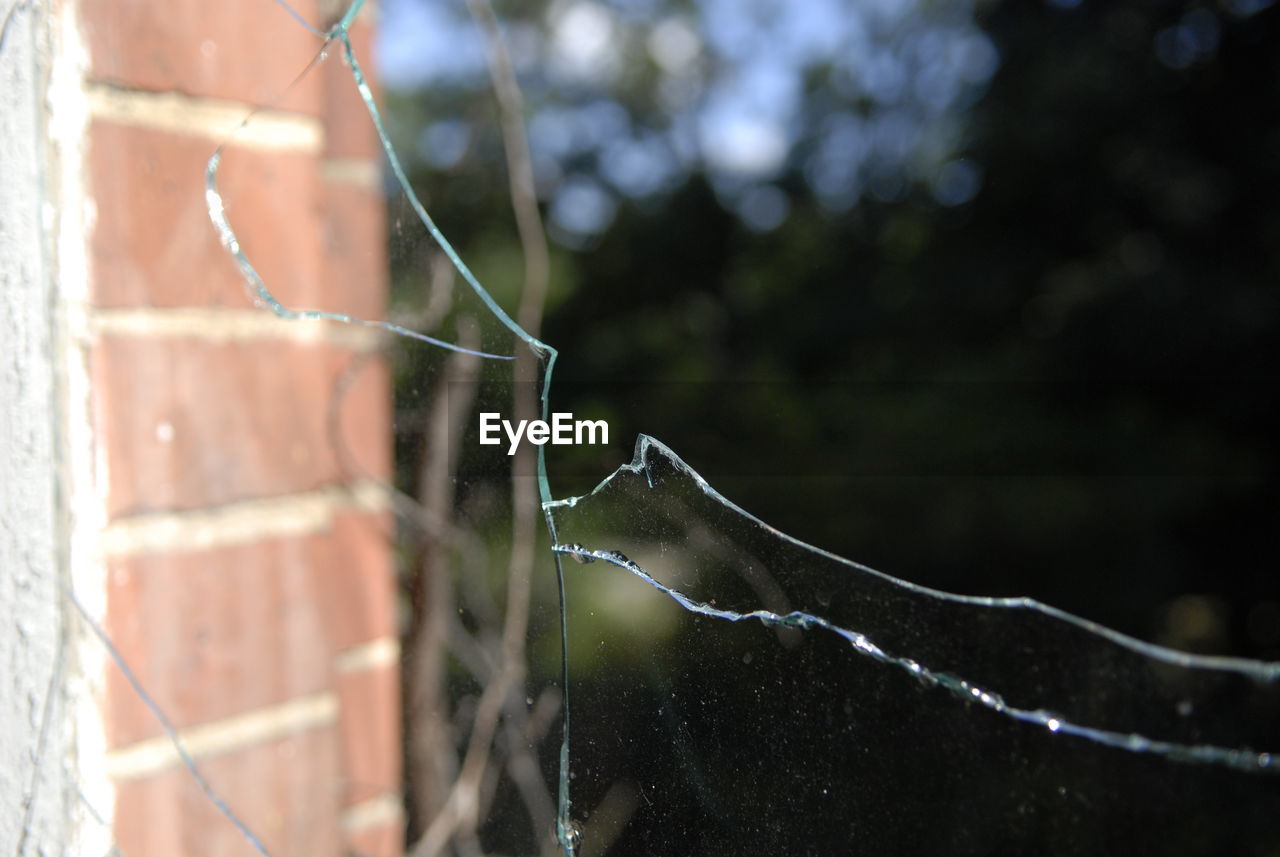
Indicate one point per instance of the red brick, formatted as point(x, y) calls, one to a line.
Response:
point(189, 423)
point(355, 244)
point(386, 840)
point(216, 633)
point(153, 244)
point(358, 585)
point(243, 50)
point(285, 791)
point(182, 424)
point(364, 419)
point(349, 130)
point(369, 705)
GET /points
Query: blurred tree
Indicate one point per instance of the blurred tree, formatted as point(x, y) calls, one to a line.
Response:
point(982, 297)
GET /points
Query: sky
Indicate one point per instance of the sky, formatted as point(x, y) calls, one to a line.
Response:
point(731, 79)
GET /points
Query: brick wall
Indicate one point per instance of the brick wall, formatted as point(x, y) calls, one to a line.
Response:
point(244, 554)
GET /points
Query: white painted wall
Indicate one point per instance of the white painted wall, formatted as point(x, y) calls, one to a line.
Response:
point(36, 796)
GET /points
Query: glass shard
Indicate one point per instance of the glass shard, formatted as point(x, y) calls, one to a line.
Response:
point(751, 694)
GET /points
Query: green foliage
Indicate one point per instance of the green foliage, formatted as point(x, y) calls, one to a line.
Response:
point(1063, 388)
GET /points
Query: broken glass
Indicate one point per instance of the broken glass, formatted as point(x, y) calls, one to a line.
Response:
point(721, 687)
point(781, 698)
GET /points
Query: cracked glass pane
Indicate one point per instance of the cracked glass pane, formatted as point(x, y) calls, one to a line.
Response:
point(768, 696)
point(738, 192)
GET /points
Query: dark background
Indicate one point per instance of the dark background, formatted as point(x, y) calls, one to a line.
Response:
point(1063, 387)
point(1056, 379)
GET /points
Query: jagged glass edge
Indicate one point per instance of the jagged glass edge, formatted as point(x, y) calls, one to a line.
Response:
point(1260, 671)
point(565, 829)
